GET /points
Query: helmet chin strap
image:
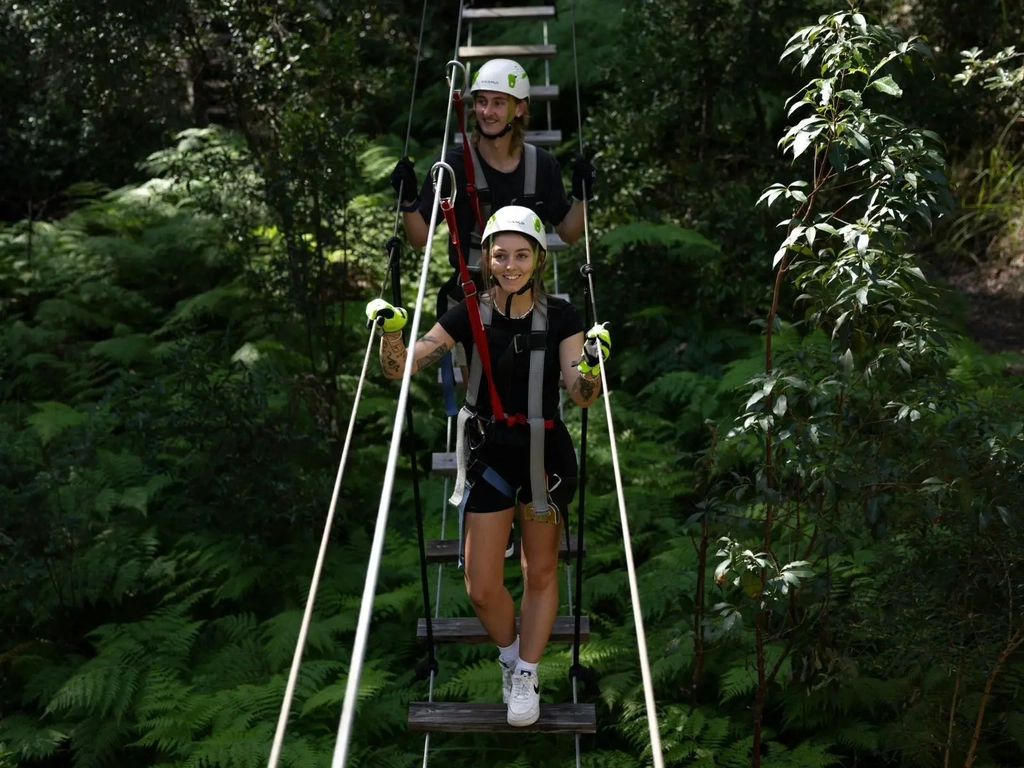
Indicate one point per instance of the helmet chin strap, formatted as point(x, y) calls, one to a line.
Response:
point(498, 135)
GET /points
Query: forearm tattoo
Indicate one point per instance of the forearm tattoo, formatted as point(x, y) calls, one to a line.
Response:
point(392, 355)
point(434, 355)
point(586, 387)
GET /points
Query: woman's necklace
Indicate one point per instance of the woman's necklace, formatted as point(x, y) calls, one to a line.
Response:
point(529, 309)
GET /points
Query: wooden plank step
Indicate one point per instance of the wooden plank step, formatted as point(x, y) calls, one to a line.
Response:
point(544, 92)
point(527, 13)
point(479, 52)
point(537, 138)
point(466, 629)
point(458, 717)
point(555, 243)
point(458, 377)
point(447, 550)
point(444, 464)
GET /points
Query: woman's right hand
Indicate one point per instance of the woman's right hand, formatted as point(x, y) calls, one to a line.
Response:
point(386, 316)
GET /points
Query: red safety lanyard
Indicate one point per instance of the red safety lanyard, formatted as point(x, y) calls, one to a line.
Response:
point(467, 161)
point(475, 323)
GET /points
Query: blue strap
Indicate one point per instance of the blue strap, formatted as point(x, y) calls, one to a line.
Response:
point(448, 384)
point(499, 483)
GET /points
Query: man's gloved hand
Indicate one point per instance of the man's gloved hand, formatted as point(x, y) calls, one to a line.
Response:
point(403, 181)
point(598, 338)
point(583, 174)
point(387, 317)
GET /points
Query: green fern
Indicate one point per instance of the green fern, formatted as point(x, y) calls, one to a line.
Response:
point(53, 418)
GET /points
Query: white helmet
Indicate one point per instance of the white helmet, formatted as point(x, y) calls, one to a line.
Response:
point(516, 218)
point(503, 76)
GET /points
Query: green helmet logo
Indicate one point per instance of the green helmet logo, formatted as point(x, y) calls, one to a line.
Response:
point(476, 76)
point(511, 80)
point(536, 224)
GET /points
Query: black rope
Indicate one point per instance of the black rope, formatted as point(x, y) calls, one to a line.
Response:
point(394, 248)
point(577, 670)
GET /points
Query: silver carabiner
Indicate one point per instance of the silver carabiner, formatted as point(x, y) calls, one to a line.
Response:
point(449, 67)
point(435, 172)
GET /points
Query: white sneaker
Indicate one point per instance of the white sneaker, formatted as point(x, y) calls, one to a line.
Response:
point(506, 681)
point(524, 700)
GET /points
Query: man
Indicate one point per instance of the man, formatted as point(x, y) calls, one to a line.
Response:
point(507, 172)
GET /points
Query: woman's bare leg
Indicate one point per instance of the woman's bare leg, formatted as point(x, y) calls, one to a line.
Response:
point(486, 536)
point(540, 587)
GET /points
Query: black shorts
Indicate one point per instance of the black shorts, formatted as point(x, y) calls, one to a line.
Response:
point(511, 460)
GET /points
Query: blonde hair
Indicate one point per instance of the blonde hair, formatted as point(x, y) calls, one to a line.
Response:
point(519, 126)
point(539, 259)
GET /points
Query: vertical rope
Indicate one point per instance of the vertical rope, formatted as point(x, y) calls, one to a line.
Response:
point(638, 620)
point(396, 294)
point(377, 547)
point(307, 616)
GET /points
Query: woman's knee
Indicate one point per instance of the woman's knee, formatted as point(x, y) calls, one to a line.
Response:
point(540, 574)
point(482, 592)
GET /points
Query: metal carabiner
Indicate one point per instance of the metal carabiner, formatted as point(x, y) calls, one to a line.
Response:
point(435, 170)
point(451, 65)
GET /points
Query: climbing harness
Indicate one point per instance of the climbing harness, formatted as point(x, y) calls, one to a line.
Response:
point(534, 420)
point(474, 189)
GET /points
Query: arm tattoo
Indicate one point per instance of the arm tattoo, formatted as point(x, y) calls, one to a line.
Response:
point(392, 355)
point(439, 351)
point(587, 388)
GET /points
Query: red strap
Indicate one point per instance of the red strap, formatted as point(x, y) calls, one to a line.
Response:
point(467, 161)
point(520, 418)
point(475, 323)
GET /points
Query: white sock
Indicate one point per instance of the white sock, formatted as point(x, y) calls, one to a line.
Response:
point(510, 654)
point(525, 666)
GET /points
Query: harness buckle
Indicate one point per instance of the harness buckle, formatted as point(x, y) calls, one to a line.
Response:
point(515, 343)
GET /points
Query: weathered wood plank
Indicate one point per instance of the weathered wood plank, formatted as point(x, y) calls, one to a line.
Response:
point(544, 93)
point(443, 464)
point(457, 717)
point(537, 138)
point(477, 52)
point(469, 630)
point(447, 550)
point(525, 13)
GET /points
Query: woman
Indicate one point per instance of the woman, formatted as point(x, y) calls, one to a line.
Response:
point(503, 444)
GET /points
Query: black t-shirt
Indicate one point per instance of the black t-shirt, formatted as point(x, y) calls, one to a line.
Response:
point(550, 202)
point(563, 322)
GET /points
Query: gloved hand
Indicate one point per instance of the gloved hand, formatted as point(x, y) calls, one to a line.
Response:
point(403, 181)
point(597, 337)
point(387, 317)
point(583, 172)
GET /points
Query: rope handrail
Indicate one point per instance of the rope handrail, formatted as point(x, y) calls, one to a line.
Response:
point(307, 616)
point(377, 547)
point(293, 674)
point(638, 619)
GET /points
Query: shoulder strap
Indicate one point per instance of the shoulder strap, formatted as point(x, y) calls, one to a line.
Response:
point(530, 180)
point(535, 413)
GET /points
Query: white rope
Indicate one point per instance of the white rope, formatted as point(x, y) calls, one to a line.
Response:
point(307, 616)
point(377, 547)
point(293, 674)
point(634, 591)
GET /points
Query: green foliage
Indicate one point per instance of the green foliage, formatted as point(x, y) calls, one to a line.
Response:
point(180, 349)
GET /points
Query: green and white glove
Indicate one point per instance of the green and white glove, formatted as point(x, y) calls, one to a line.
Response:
point(385, 316)
point(598, 338)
